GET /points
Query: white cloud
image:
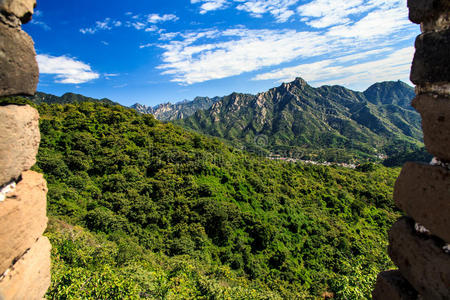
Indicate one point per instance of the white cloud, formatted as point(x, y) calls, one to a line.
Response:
point(66, 69)
point(146, 45)
point(152, 28)
point(109, 75)
point(376, 23)
point(106, 24)
point(361, 28)
point(393, 66)
point(325, 13)
point(137, 22)
point(155, 18)
point(247, 50)
point(210, 5)
point(37, 20)
point(280, 9)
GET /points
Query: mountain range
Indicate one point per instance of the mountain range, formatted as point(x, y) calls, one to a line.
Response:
point(326, 123)
point(180, 110)
point(296, 120)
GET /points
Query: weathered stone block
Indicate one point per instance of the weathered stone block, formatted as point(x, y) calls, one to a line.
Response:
point(435, 112)
point(23, 9)
point(392, 286)
point(431, 62)
point(22, 217)
point(421, 260)
point(423, 10)
point(19, 140)
point(19, 73)
point(29, 278)
point(440, 22)
point(423, 192)
point(442, 88)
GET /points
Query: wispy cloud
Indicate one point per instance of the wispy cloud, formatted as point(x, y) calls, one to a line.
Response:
point(190, 61)
point(210, 5)
point(37, 20)
point(66, 69)
point(106, 24)
point(109, 75)
point(393, 66)
point(376, 23)
point(279, 9)
point(316, 13)
point(357, 27)
point(138, 22)
point(120, 86)
point(325, 13)
point(155, 18)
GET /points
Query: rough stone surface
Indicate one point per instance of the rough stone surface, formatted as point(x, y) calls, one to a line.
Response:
point(442, 88)
point(435, 112)
point(23, 9)
point(432, 58)
point(421, 260)
point(423, 192)
point(441, 22)
point(29, 278)
point(19, 140)
point(19, 73)
point(392, 286)
point(22, 218)
point(423, 10)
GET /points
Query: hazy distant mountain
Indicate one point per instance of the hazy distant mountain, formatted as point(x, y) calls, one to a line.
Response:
point(169, 111)
point(329, 122)
point(40, 97)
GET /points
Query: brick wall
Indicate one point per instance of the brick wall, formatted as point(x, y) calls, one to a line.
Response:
point(24, 252)
point(418, 243)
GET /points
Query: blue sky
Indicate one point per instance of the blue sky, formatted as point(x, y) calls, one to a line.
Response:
point(157, 51)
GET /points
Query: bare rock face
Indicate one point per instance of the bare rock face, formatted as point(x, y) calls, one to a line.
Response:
point(391, 285)
point(435, 112)
point(19, 73)
point(432, 58)
point(421, 260)
point(29, 278)
point(19, 140)
point(23, 9)
point(423, 192)
point(423, 10)
point(22, 218)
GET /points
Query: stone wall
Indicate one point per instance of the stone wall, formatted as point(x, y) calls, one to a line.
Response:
point(419, 243)
point(24, 252)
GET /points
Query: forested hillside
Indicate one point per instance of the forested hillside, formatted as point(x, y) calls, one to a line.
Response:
point(67, 98)
point(143, 209)
point(329, 123)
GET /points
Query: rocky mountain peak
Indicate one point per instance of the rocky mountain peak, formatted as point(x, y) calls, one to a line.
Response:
point(300, 82)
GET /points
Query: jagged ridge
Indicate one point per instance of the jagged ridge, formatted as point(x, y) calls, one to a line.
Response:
point(183, 109)
point(329, 122)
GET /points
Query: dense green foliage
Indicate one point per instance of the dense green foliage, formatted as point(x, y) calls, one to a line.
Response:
point(399, 159)
point(145, 209)
point(67, 98)
point(329, 123)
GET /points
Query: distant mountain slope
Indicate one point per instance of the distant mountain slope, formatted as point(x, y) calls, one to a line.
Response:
point(330, 122)
point(169, 111)
point(391, 92)
point(67, 98)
